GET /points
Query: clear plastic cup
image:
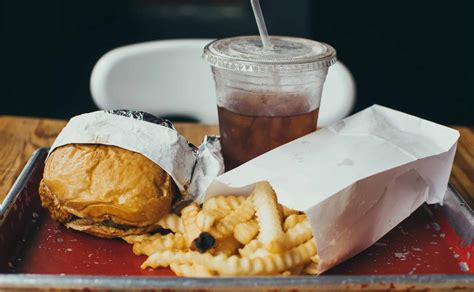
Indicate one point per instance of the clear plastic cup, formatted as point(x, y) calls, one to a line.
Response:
point(266, 98)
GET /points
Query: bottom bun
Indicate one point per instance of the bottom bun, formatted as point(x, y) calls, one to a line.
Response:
point(105, 231)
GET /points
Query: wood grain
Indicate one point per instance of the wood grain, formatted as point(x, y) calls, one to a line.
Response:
point(462, 175)
point(20, 136)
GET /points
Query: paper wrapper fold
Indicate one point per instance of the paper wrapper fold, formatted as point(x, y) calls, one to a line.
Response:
point(356, 179)
point(191, 168)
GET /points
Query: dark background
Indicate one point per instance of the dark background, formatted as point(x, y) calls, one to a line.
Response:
point(415, 56)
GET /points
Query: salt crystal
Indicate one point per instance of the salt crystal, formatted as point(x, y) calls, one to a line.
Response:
point(401, 255)
point(402, 230)
point(464, 267)
point(121, 199)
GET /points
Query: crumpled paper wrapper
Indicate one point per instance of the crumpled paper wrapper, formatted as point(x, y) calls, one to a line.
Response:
point(191, 168)
point(356, 179)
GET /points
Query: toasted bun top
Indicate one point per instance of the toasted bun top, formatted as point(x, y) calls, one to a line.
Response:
point(107, 182)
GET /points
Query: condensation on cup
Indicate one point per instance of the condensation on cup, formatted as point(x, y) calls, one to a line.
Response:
point(266, 97)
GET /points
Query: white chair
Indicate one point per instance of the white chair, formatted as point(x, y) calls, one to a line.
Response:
point(169, 78)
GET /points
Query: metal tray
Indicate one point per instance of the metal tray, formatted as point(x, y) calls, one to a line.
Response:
point(429, 250)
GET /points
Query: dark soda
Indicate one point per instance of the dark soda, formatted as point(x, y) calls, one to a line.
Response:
point(244, 137)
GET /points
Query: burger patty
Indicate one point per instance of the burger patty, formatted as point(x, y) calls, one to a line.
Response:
point(106, 223)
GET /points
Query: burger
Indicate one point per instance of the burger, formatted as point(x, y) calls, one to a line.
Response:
point(105, 190)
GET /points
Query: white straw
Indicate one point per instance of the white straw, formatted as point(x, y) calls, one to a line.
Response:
point(262, 28)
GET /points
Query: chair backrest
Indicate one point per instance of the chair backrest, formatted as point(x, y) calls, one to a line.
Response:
point(339, 95)
point(169, 78)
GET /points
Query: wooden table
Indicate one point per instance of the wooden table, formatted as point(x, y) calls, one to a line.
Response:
point(19, 137)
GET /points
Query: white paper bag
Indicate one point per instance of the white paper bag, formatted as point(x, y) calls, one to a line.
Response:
point(356, 179)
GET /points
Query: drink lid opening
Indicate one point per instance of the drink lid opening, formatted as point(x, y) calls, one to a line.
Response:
point(288, 54)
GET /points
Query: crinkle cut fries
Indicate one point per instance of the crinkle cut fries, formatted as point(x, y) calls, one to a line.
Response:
point(232, 236)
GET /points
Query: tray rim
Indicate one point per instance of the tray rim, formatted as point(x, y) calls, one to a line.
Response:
point(20, 181)
point(266, 282)
point(45, 281)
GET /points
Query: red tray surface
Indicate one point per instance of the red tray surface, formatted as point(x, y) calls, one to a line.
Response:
point(425, 243)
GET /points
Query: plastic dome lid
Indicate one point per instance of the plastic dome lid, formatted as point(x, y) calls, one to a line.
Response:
point(287, 54)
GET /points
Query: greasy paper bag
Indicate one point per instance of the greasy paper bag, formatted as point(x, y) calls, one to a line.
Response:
point(356, 179)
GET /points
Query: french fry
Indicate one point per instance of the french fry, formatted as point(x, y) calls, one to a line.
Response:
point(315, 258)
point(223, 265)
point(173, 222)
point(292, 220)
point(167, 257)
point(250, 248)
point(311, 268)
point(246, 231)
point(205, 220)
point(163, 242)
point(220, 206)
point(271, 233)
point(296, 235)
point(139, 238)
point(243, 213)
point(260, 252)
point(191, 270)
point(287, 211)
point(191, 229)
point(300, 233)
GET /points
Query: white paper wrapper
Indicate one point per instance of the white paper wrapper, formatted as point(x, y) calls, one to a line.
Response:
point(356, 179)
point(192, 169)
